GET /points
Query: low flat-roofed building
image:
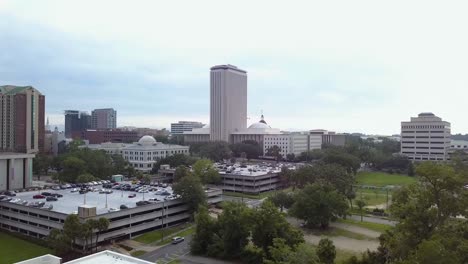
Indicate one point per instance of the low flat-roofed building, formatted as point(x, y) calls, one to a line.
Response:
point(251, 179)
point(103, 257)
point(21, 216)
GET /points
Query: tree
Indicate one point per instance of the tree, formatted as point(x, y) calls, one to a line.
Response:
point(180, 172)
point(72, 167)
point(72, 228)
point(205, 171)
point(290, 157)
point(192, 192)
point(101, 226)
point(84, 178)
point(235, 223)
point(360, 204)
point(250, 148)
point(204, 231)
point(318, 204)
point(281, 253)
point(286, 177)
point(282, 200)
point(326, 251)
point(59, 241)
point(41, 164)
point(174, 161)
point(216, 151)
point(119, 163)
point(274, 151)
point(269, 223)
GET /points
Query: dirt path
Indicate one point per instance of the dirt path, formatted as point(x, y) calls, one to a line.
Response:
point(356, 229)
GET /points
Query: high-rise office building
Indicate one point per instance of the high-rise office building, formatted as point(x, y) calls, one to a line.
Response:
point(22, 134)
point(228, 101)
point(75, 122)
point(184, 126)
point(426, 137)
point(72, 122)
point(105, 118)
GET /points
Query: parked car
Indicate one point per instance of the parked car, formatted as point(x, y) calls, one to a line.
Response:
point(50, 199)
point(140, 203)
point(113, 210)
point(83, 191)
point(133, 195)
point(177, 240)
point(15, 200)
point(9, 193)
point(57, 195)
point(74, 190)
point(123, 207)
point(55, 188)
point(39, 196)
point(153, 200)
point(46, 193)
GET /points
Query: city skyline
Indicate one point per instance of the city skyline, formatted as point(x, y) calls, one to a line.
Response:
point(306, 70)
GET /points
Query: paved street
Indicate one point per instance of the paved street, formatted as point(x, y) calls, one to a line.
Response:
point(374, 220)
point(169, 252)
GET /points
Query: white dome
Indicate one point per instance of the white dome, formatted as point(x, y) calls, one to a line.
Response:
point(147, 140)
point(259, 125)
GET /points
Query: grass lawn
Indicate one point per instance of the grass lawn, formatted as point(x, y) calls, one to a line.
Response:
point(138, 253)
point(371, 226)
point(157, 235)
point(332, 231)
point(256, 196)
point(383, 179)
point(372, 197)
point(13, 249)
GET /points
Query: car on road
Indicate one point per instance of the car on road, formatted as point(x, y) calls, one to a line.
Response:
point(133, 195)
point(39, 196)
point(50, 198)
point(177, 240)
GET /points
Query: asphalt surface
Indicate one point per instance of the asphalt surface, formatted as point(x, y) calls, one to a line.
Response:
point(169, 252)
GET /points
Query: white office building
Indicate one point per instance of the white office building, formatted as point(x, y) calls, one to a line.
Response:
point(228, 101)
point(142, 155)
point(184, 126)
point(426, 137)
point(292, 143)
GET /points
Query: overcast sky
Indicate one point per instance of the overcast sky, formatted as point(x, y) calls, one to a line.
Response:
point(349, 66)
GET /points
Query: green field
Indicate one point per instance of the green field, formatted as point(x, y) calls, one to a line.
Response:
point(157, 235)
point(382, 179)
point(13, 249)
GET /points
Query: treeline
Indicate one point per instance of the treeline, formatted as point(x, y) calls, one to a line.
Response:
point(260, 235)
point(430, 228)
point(83, 165)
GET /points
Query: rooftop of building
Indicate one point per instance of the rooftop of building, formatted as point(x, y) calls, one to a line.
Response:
point(250, 170)
point(227, 67)
point(13, 89)
point(70, 201)
point(104, 257)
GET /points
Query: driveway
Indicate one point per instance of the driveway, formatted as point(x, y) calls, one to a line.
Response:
point(169, 252)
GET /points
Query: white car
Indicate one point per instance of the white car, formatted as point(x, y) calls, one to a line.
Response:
point(74, 190)
point(15, 200)
point(113, 210)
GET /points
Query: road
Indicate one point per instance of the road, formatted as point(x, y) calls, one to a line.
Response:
point(374, 220)
point(249, 202)
point(169, 252)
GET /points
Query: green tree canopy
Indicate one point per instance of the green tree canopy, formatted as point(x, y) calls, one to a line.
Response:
point(192, 192)
point(205, 171)
point(318, 204)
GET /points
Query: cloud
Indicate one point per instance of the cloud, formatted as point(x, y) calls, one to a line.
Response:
point(348, 66)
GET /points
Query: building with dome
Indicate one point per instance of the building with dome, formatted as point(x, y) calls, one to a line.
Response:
point(228, 118)
point(142, 155)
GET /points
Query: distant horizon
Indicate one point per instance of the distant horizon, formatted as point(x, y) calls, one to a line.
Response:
point(309, 64)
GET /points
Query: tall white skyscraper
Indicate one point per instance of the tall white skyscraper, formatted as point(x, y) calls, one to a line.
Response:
point(228, 101)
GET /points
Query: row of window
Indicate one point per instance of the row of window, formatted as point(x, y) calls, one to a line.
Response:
point(425, 126)
point(425, 131)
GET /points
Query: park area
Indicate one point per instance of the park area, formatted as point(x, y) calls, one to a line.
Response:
point(14, 249)
point(372, 185)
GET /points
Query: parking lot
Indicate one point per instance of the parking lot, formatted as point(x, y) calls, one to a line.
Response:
point(104, 202)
